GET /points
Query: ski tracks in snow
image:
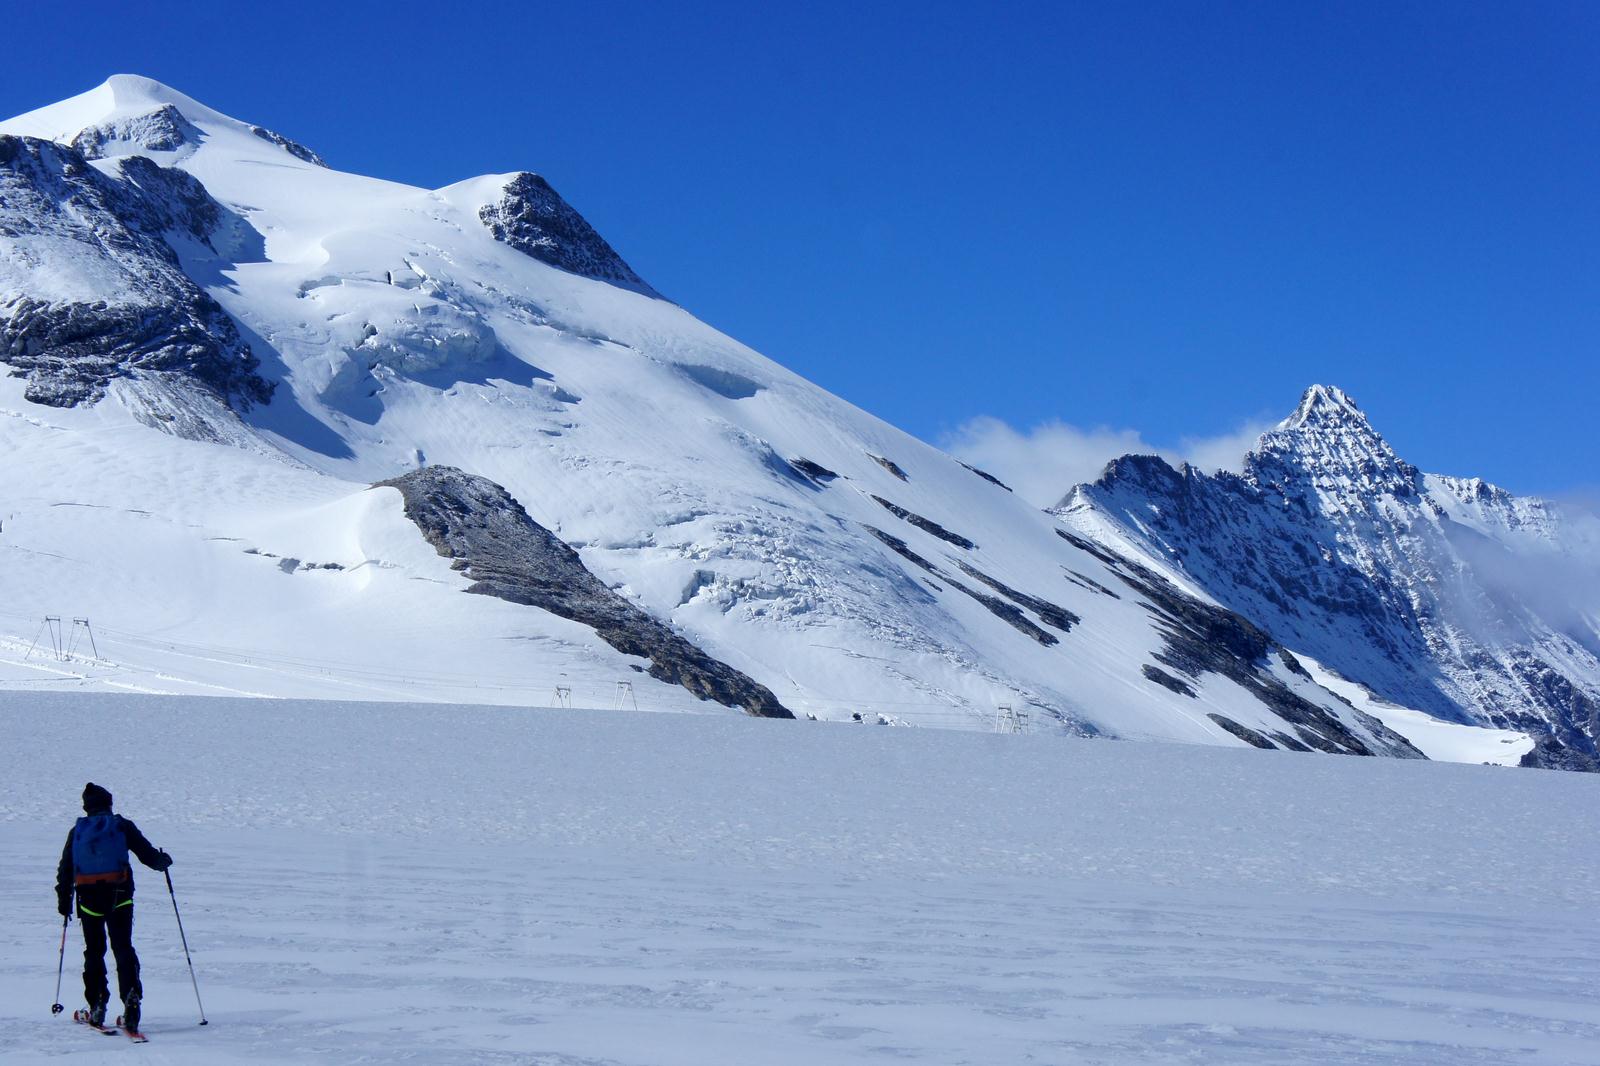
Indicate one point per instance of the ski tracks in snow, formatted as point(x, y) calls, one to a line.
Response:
point(391, 883)
point(321, 949)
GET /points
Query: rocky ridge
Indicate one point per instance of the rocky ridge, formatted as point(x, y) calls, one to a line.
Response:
point(91, 290)
point(1396, 579)
point(533, 218)
point(490, 537)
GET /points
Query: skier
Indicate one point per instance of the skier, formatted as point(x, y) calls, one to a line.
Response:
point(94, 864)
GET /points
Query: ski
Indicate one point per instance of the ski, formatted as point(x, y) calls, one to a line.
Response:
point(82, 1018)
point(132, 1034)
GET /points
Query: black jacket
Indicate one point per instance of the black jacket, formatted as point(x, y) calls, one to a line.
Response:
point(146, 852)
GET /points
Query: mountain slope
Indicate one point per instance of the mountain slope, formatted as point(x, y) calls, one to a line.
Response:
point(1435, 593)
point(838, 564)
point(94, 290)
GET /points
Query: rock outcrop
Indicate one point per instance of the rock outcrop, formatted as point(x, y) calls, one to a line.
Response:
point(294, 148)
point(164, 129)
point(90, 289)
point(490, 537)
point(533, 218)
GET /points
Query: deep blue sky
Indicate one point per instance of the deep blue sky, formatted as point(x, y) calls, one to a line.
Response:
point(1168, 217)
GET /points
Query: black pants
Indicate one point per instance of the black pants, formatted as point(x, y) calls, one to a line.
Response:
point(117, 921)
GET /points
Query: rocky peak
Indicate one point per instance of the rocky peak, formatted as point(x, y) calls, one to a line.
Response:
point(163, 129)
point(113, 301)
point(1430, 590)
point(132, 115)
point(533, 218)
point(1328, 447)
point(1325, 406)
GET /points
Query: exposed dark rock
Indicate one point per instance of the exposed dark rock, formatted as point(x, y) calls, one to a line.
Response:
point(174, 199)
point(814, 471)
point(787, 470)
point(489, 536)
point(1082, 580)
point(1049, 613)
point(899, 547)
point(1244, 733)
point(1202, 638)
point(533, 218)
point(1006, 612)
point(1321, 742)
point(156, 324)
point(927, 525)
point(1198, 631)
point(1290, 742)
point(294, 148)
point(1550, 754)
point(1086, 545)
point(1570, 743)
point(986, 476)
point(1167, 681)
point(162, 130)
point(889, 465)
point(1293, 664)
point(1336, 546)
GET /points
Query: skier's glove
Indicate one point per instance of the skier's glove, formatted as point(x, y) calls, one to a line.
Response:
point(164, 861)
point(64, 907)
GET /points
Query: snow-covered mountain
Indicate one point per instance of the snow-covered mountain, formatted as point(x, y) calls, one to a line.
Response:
point(1443, 594)
point(269, 421)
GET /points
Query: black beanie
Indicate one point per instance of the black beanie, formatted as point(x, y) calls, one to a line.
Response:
point(95, 798)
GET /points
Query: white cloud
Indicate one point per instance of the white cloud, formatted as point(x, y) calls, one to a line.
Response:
point(1584, 498)
point(1225, 452)
point(1044, 462)
point(1041, 463)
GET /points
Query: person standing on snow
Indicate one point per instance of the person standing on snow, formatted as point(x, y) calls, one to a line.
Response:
point(94, 865)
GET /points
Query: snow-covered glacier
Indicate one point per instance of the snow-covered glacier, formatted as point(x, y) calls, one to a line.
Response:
point(227, 358)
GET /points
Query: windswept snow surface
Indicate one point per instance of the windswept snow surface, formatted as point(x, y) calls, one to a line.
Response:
point(452, 884)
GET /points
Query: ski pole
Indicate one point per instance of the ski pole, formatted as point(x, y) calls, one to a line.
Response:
point(185, 940)
point(61, 963)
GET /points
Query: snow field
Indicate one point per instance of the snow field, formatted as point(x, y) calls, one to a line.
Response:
point(391, 882)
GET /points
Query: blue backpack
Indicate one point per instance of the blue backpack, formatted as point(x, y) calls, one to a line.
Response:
point(98, 846)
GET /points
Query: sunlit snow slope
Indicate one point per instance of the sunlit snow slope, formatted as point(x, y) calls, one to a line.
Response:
point(197, 485)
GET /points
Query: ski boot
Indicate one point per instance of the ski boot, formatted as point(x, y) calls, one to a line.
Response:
point(95, 1018)
point(129, 1020)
